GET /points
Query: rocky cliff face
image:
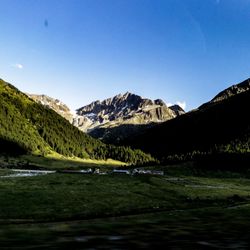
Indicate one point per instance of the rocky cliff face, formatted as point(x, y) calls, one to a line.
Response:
point(177, 109)
point(54, 104)
point(122, 109)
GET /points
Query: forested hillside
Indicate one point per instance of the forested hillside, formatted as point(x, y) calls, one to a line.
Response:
point(220, 127)
point(29, 127)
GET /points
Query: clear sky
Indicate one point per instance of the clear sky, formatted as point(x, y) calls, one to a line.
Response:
point(83, 50)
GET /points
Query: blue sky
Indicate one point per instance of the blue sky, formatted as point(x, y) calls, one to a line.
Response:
point(83, 50)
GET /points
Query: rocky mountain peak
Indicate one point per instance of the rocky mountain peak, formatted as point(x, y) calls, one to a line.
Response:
point(127, 108)
point(159, 102)
point(177, 109)
point(54, 104)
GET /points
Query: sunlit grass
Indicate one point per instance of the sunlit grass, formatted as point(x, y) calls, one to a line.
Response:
point(57, 161)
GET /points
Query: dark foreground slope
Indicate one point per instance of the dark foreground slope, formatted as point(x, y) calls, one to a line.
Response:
point(29, 127)
point(221, 126)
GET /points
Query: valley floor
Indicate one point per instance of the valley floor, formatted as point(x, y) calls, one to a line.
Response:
point(55, 162)
point(205, 228)
point(65, 211)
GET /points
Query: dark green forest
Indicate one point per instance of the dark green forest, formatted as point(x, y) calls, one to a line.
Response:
point(116, 135)
point(29, 127)
point(221, 127)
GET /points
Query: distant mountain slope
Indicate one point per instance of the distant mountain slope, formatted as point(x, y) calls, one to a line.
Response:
point(177, 109)
point(117, 134)
point(229, 92)
point(224, 125)
point(123, 109)
point(116, 118)
point(55, 104)
point(27, 126)
point(121, 116)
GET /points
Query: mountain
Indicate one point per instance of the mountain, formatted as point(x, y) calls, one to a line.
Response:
point(229, 92)
point(114, 119)
point(177, 110)
point(118, 134)
point(29, 127)
point(222, 125)
point(55, 104)
point(122, 116)
point(122, 109)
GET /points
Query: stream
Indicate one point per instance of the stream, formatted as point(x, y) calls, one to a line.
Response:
point(12, 173)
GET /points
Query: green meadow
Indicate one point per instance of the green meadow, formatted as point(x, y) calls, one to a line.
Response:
point(188, 209)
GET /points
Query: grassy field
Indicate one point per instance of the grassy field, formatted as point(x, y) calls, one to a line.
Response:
point(56, 162)
point(114, 211)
